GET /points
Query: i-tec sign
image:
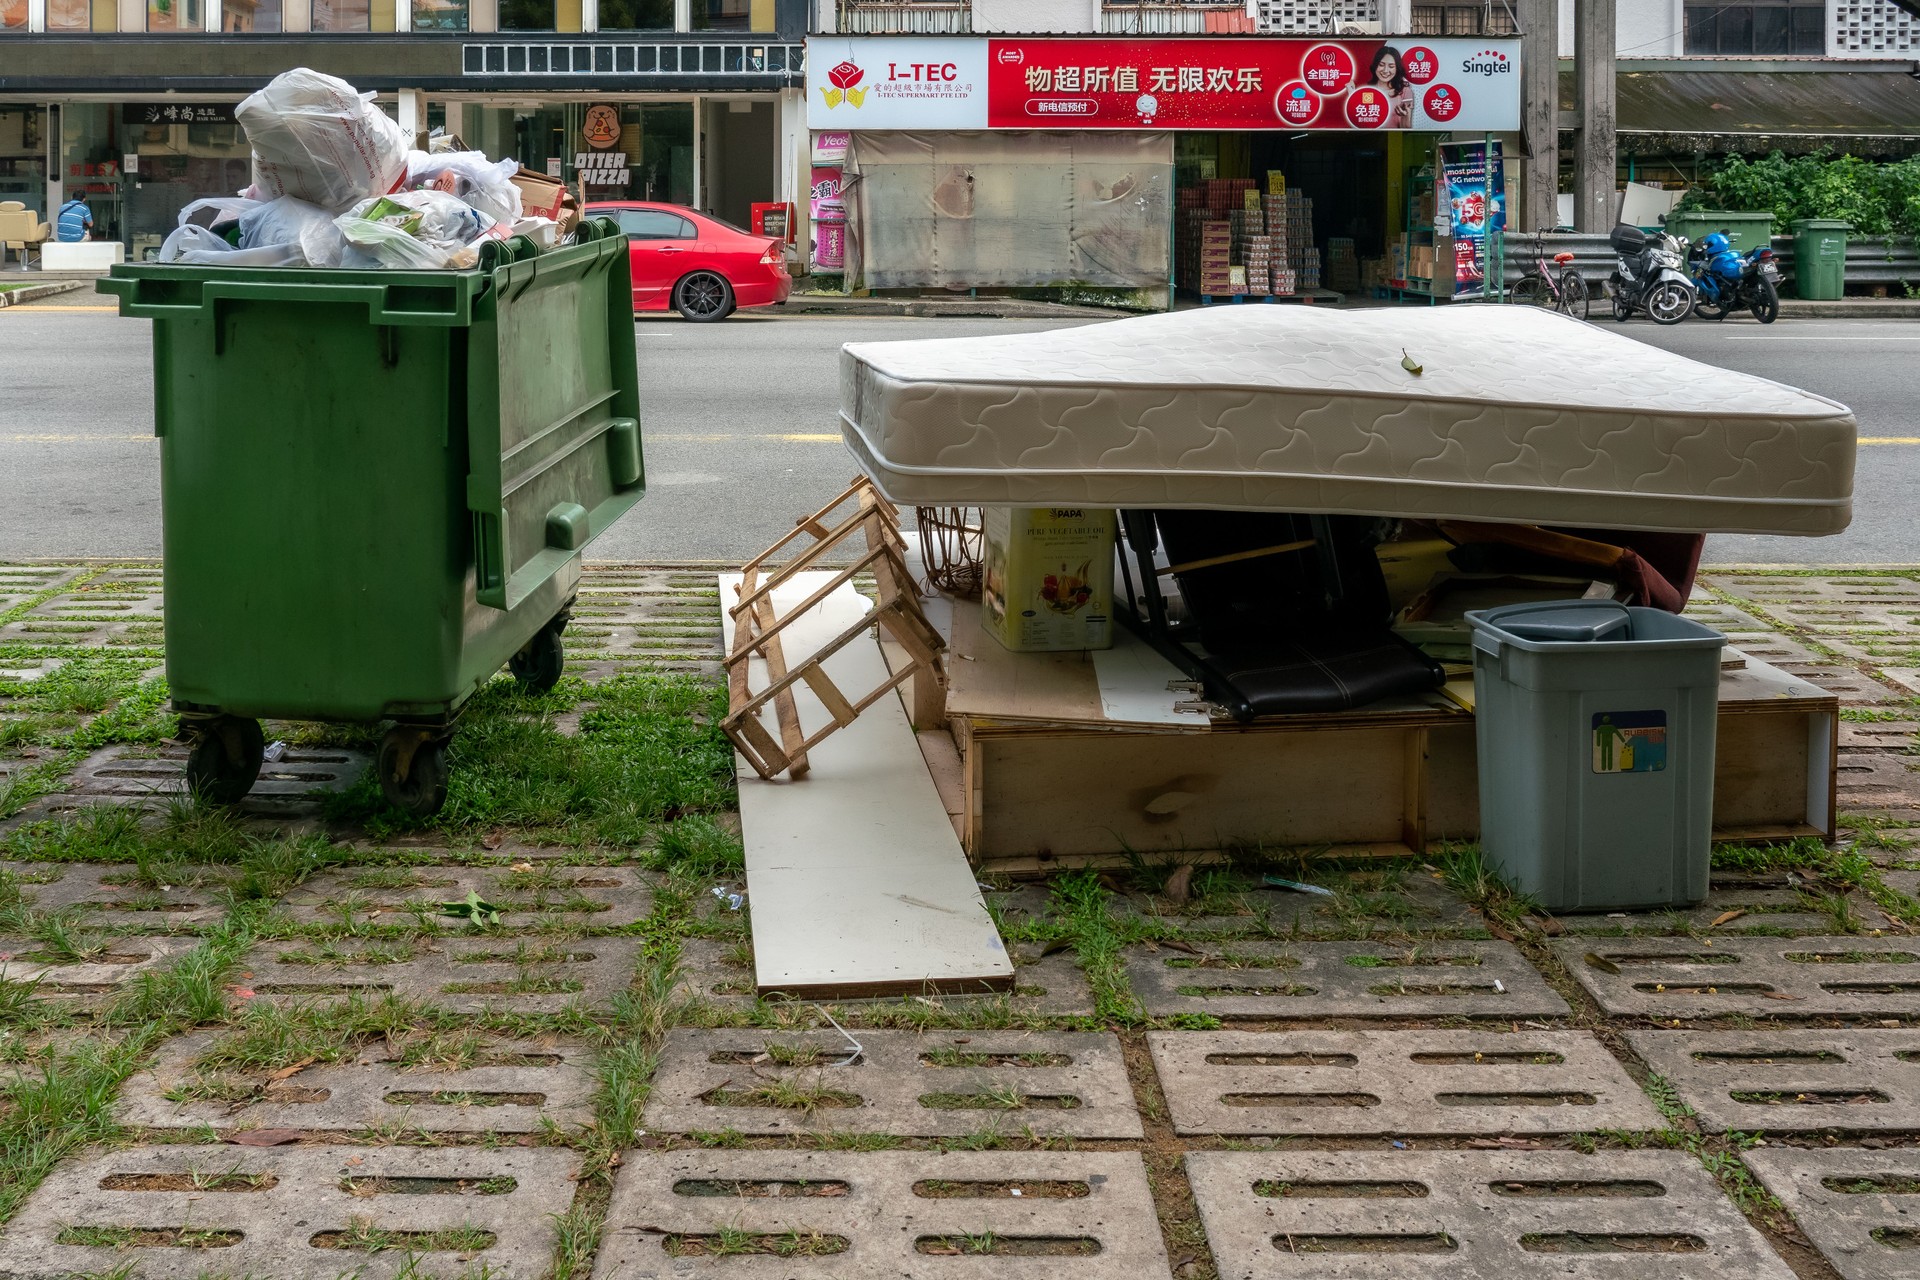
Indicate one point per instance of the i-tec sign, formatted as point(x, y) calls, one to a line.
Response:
point(1230, 82)
point(896, 82)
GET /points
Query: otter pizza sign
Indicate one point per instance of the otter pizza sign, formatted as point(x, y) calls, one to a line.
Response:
point(1234, 82)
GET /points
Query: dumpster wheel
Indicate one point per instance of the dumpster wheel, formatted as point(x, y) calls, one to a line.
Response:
point(225, 759)
point(412, 768)
point(538, 666)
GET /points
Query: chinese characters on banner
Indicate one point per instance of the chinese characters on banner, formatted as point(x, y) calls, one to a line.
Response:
point(176, 113)
point(1477, 207)
point(885, 82)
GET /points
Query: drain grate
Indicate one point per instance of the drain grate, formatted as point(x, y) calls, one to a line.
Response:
point(109, 962)
point(943, 1084)
point(145, 776)
point(304, 1213)
point(549, 894)
point(1861, 1209)
point(880, 1216)
point(507, 973)
point(1769, 977)
point(511, 1088)
point(1791, 1080)
point(1394, 1082)
point(1341, 979)
point(158, 899)
point(1444, 1215)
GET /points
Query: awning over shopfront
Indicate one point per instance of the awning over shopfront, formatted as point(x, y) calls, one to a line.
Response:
point(1758, 105)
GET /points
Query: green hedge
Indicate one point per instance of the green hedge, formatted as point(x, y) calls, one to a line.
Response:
point(1878, 199)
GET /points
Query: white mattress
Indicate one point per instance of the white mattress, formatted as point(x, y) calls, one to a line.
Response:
point(1520, 415)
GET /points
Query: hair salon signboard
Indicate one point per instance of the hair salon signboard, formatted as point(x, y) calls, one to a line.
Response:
point(1232, 82)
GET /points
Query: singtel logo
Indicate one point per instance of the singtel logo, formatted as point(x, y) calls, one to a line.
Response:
point(1487, 62)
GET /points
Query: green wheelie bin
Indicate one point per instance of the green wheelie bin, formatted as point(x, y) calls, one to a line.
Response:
point(376, 485)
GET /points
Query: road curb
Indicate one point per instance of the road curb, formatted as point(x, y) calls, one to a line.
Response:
point(1851, 309)
point(972, 308)
point(14, 297)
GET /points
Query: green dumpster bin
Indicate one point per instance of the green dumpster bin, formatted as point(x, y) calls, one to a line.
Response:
point(1820, 258)
point(1744, 230)
point(376, 485)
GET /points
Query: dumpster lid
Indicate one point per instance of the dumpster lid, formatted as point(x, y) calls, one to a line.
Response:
point(1821, 224)
point(1562, 620)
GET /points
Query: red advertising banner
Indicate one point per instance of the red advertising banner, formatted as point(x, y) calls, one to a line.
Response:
point(1416, 83)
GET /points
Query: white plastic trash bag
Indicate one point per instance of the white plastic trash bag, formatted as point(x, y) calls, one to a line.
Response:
point(314, 138)
point(287, 221)
point(485, 184)
point(217, 211)
point(414, 230)
point(201, 246)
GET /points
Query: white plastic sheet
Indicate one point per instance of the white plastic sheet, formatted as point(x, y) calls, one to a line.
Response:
point(966, 210)
point(314, 138)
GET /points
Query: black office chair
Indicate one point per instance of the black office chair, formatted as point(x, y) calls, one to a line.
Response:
point(1280, 614)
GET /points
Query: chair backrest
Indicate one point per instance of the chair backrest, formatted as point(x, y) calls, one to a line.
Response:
point(16, 226)
point(1264, 595)
point(11, 206)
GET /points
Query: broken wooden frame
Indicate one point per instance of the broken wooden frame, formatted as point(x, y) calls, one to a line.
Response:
point(859, 511)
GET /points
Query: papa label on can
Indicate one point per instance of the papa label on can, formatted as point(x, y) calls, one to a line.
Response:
point(1049, 577)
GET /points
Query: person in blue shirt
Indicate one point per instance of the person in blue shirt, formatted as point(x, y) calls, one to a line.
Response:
point(75, 221)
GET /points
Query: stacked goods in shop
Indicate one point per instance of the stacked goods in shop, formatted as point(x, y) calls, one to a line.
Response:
point(1285, 281)
point(1257, 256)
point(1310, 271)
point(1373, 274)
point(1214, 275)
point(1343, 265)
point(1276, 183)
point(1236, 280)
point(1250, 200)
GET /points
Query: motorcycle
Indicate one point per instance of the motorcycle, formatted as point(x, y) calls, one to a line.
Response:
point(1647, 276)
point(1724, 280)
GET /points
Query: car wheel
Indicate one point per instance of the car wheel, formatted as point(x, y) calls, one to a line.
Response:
point(703, 296)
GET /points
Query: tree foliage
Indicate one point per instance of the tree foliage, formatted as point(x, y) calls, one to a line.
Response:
point(1877, 199)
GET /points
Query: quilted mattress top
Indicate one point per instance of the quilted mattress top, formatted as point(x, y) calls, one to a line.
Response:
point(1516, 415)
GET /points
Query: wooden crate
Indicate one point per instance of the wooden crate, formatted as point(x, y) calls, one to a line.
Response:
point(1045, 779)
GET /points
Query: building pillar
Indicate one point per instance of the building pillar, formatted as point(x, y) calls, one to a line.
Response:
point(1595, 165)
point(1540, 112)
point(413, 114)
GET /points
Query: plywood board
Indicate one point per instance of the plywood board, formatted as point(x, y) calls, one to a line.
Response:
point(1136, 685)
point(857, 881)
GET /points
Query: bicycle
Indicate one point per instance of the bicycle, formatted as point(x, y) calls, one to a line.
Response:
point(1565, 292)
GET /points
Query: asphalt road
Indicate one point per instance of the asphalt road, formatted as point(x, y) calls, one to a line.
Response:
point(741, 428)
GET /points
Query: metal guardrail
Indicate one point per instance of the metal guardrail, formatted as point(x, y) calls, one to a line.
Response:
point(1878, 261)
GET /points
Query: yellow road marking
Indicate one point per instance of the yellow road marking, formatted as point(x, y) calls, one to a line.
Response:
point(1890, 439)
point(41, 306)
point(22, 437)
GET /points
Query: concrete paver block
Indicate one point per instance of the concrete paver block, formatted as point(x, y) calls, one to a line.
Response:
point(550, 894)
point(1341, 979)
point(229, 1211)
point(150, 777)
point(1771, 904)
point(1877, 780)
point(937, 1084)
point(908, 1215)
point(1050, 987)
point(1861, 1209)
point(515, 1088)
point(511, 973)
point(1379, 904)
point(1766, 977)
point(113, 895)
point(1781, 1081)
point(120, 961)
point(1356, 1083)
point(1472, 1215)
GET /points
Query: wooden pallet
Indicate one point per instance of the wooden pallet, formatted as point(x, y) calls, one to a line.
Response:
point(859, 517)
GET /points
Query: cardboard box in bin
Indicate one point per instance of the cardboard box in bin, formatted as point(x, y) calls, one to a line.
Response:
point(1049, 577)
point(544, 197)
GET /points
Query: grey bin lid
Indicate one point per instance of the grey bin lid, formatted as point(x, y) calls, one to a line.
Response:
point(1570, 624)
point(1561, 621)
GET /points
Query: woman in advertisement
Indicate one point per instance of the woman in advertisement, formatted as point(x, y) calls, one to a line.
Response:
point(1391, 79)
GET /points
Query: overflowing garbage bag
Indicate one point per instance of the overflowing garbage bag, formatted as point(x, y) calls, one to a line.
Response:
point(337, 183)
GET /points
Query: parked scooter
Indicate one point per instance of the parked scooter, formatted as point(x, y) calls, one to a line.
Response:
point(1647, 276)
point(1724, 279)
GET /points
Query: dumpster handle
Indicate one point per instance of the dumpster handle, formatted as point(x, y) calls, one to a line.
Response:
point(375, 296)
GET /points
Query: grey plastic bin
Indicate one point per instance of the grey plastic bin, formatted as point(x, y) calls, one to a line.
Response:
point(1596, 726)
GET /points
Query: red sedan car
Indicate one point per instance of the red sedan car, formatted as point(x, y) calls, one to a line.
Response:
point(695, 263)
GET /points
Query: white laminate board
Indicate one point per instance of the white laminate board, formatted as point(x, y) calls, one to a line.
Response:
point(1134, 681)
point(856, 878)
